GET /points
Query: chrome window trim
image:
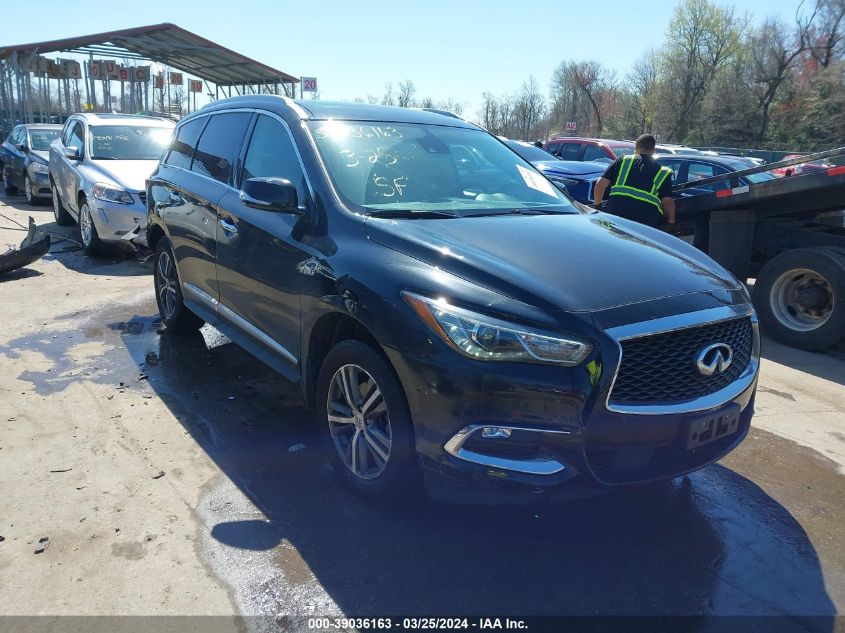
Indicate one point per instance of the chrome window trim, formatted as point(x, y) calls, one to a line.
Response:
point(258, 111)
point(528, 466)
point(681, 322)
point(237, 320)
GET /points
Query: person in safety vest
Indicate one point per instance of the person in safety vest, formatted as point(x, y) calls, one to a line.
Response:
point(640, 188)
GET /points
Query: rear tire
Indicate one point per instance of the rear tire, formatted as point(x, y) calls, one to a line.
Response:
point(378, 424)
point(171, 306)
point(8, 187)
point(61, 215)
point(800, 297)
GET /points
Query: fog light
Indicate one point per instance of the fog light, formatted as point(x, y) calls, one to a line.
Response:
point(496, 432)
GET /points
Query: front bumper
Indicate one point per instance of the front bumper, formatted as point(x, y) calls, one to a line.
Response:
point(114, 221)
point(571, 442)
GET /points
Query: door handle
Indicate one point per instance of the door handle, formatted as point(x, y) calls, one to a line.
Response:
point(228, 226)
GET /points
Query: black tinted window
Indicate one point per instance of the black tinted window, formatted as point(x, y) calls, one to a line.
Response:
point(571, 151)
point(182, 149)
point(271, 154)
point(219, 145)
point(552, 148)
point(594, 152)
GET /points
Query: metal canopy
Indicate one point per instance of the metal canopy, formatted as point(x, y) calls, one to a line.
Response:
point(166, 44)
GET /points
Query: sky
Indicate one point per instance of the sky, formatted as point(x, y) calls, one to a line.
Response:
point(456, 48)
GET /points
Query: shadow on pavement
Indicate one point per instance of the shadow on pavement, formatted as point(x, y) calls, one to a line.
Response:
point(713, 543)
point(828, 364)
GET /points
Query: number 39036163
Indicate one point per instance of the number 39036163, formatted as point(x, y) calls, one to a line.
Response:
point(390, 188)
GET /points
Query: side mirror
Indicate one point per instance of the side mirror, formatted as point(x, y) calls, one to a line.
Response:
point(270, 194)
point(71, 152)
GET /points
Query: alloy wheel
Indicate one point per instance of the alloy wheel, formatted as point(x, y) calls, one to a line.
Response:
point(166, 278)
point(86, 224)
point(359, 422)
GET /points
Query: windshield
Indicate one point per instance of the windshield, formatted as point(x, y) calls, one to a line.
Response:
point(389, 167)
point(39, 140)
point(530, 152)
point(128, 142)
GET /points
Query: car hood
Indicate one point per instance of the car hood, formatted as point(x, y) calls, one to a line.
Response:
point(571, 168)
point(129, 174)
point(568, 262)
point(40, 156)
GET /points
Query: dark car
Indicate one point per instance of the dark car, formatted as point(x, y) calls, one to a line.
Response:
point(24, 157)
point(578, 178)
point(693, 167)
point(453, 316)
point(588, 149)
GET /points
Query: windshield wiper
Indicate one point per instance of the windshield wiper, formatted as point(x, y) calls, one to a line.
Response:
point(411, 213)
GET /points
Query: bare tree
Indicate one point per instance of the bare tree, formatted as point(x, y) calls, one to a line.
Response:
point(774, 53)
point(405, 96)
point(824, 31)
point(388, 99)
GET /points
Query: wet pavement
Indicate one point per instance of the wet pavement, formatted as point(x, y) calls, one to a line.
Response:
point(760, 533)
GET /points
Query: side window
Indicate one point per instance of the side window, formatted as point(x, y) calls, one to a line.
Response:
point(15, 136)
point(700, 171)
point(674, 165)
point(66, 133)
point(75, 138)
point(594, 152)
point(220, 144)
point(553, 147)
point(271, 154)
point(571, 151)
point(182, 148)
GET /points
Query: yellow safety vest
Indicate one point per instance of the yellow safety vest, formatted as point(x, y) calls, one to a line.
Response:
point(620, 188)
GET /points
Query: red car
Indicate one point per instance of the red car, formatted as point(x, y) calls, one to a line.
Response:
point(801, 168)
point(584, 149)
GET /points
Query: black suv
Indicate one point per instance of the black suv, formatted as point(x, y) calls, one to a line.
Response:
point(444, 307)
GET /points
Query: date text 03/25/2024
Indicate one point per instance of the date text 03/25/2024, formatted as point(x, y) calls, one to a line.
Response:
point(413, 624)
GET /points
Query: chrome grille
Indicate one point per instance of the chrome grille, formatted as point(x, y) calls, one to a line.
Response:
point(661, 368)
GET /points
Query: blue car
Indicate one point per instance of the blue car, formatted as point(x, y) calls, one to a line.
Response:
point(578, 177)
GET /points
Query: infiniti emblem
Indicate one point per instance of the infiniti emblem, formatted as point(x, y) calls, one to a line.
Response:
point(714, 359)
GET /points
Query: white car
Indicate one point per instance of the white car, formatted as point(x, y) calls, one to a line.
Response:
point(98, 170)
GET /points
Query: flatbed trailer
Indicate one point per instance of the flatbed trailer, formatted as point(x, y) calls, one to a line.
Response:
point(775, 232)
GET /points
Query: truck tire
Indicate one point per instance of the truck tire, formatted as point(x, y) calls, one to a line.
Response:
point(800, 297)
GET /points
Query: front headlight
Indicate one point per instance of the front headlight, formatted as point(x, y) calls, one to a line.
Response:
point(485, 338)
point(39, 168)
point(112, 194)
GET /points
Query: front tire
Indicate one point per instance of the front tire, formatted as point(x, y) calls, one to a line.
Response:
point(171, 306)
point(800, 297)
point(364, 421)
point(61, 215)
point(27, 191)
point(91, 243)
